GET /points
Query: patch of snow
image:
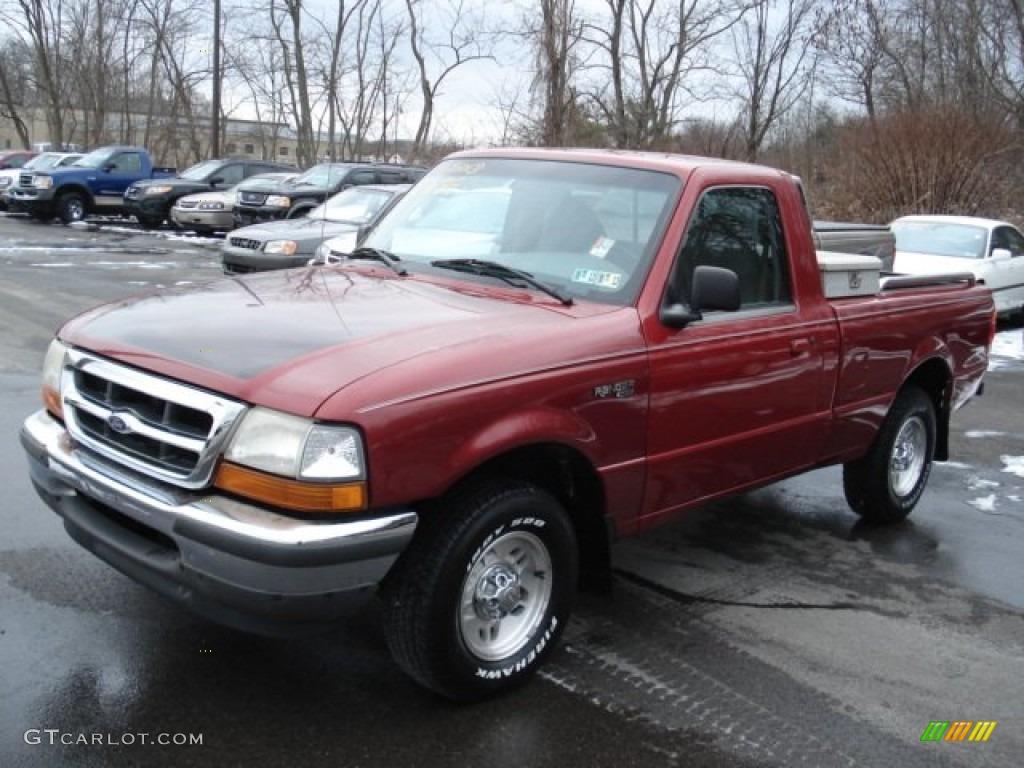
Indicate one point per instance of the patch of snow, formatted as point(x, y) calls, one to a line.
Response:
point(976, 483)
point(985, 504)
point(978, 433)
point(1013, 464)
point(55, 264)
point(956, 465)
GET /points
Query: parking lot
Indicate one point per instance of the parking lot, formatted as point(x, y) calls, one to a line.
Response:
point(770, 630)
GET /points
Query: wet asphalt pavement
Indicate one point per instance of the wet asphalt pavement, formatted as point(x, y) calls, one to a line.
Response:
point(770, 630)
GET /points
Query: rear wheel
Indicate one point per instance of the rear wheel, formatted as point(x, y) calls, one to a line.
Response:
point(886, 484)
point(479, 599)
point(71, 207)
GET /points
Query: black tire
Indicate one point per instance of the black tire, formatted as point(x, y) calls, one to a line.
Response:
point(480, 597)
point(71, 207)
point(886, 484)
point(149, 222)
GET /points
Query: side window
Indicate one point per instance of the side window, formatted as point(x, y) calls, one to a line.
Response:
point(361, 177)
point(1011, 239)
point(392, 177)
point(230, 174)
point(738, 228)
point(127, 162)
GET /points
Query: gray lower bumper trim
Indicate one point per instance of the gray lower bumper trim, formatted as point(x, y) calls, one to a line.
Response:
point(233, 553)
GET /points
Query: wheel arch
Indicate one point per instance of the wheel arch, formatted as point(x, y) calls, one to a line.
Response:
point(934, 378)
point(76, 188)
point(568, 475)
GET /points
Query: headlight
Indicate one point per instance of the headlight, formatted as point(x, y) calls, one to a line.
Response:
point(159, 189)
point(279, 201)
point(211, 206)
point(5, 182)
point(42, 182)
point(287, 247)
point(53, 369)
point(308, 466)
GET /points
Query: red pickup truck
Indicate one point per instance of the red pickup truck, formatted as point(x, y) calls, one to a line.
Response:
point(533, 353)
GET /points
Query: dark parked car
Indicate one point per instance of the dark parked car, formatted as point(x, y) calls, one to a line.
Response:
point(293, 242)
point(302, 194)
point(151, 201)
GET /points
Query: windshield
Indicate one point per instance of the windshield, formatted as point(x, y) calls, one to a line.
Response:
point(321, 175)
point(356, 205)
point(589, 231)
point(95, 159)
point(45, 160)
point(941, 238)
point(200, 171)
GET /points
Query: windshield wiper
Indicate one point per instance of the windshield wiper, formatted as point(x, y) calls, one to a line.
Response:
point(502, 272)
point(377, 254)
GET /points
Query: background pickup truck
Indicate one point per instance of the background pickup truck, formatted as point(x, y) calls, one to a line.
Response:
point(96, 183)
point(532, 353)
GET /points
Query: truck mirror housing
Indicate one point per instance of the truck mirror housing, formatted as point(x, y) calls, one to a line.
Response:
point(998, 254)
point(714, 288)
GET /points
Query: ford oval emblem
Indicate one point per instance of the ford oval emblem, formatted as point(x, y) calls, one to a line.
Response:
point(117, 423)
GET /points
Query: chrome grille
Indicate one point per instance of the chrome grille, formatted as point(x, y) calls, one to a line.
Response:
point(245, 242)
point(25, 179)
point(251, 198)
point(186, 205)
point(153, 425)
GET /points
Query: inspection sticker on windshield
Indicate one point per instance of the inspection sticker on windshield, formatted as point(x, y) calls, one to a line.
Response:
point(611, 280)
point(601, 247)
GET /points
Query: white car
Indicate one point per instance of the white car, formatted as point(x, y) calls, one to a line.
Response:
point(990, 249)
point(41, 162)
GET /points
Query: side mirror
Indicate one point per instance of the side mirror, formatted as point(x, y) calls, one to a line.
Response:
point(714, 288)
point(109, 167)
point(216, 180)
point(1000, 254)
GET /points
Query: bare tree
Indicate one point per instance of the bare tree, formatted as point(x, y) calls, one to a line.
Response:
point(41, 22)
point(13, 76)
point(773, 53)
point(436, 58)
point(650, 49)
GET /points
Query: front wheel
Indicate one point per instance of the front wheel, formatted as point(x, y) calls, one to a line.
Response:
point(886, 484)
point(479, 599)
point(71, 207)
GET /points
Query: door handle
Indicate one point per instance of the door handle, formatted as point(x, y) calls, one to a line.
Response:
point(799, 347)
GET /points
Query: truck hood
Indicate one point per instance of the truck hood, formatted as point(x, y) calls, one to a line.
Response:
point(290, 339)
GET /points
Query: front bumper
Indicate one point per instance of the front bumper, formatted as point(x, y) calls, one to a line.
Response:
point(29, 196)
point(147, 207)
point(206, 220)
point(245, 216)
point(236, 260)
point(231, 561)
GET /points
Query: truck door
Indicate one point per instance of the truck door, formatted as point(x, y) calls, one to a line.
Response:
point(737, 398)
point(114, 178)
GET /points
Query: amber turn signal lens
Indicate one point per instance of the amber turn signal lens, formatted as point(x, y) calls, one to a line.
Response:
point(51, 400)
point(290, 494)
